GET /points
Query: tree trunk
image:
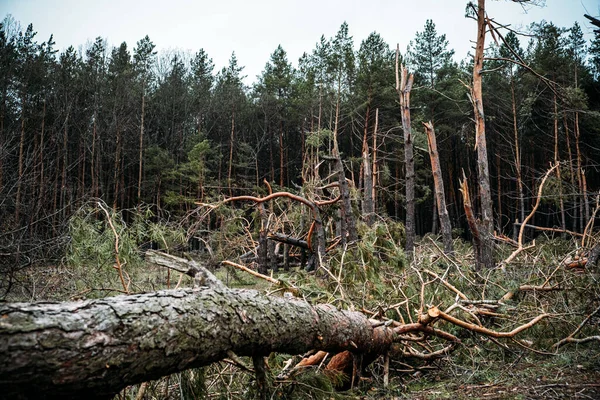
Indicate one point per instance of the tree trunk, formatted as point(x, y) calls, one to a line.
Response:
point(367, 205)
point(20, 178)
point(579, 175)
point(65, 159)
point(374, 170)
point(403, 87)
point(93, 163)
point(348, 224)
point(92, 349)
point(281, 156)
point(116, 167)
point(563, 221)
point(517, 152)
point(231, 141)
point(571, 170)
point(486, 257)
point(141, 152)
point(439, 188)
point(368, 208)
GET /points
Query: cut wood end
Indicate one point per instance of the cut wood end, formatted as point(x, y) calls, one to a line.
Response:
point(433, 312)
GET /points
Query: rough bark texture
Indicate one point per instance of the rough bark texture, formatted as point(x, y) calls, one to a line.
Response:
point(439, 188)
point(485, 257)
point(92, 349)
point(403, 87)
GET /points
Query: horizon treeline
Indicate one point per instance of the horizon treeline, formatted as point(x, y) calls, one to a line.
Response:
point(132, 127)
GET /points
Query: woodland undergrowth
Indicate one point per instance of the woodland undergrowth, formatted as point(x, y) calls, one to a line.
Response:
point(373, 275)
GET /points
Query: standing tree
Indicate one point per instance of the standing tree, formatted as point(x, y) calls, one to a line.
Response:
point(484, 251)
point(404, 83)
point(143, 58)
point(372, 91)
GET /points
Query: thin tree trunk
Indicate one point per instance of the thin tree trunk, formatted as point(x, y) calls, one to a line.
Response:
point(116, 166)
point(367, 205)
point(141, 152)
point(262, 251)
point(281, 156)
point(517, 152)
point(2, 117)
point(41, 183)
point(582, 197)
point(21, 155)
point(486, 257)
point(403, 87)
point(438, 182)
point(367, 181)
point(347, 219)
point(65, 160)
point(93, 163)
point(231, 141)
point(571, 170)
point(374, 169)
point(499, 188)
point(563, 221)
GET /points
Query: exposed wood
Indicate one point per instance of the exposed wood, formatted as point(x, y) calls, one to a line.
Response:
point(375, 169)
point(118, 266)
point(404, 83)
point(439, 188)
point(473, 225)
point(520, 247)
point(201, 275)
point(434, 312)
point(484, 256)
point(253, 273)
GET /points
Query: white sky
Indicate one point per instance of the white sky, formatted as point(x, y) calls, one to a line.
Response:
point(254, 28)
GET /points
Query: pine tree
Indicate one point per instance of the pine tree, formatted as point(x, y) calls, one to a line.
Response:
point(143, 58)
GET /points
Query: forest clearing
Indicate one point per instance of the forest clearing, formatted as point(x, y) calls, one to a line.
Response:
point(370, 224)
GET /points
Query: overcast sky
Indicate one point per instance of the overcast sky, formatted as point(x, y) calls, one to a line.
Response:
point(254, 28)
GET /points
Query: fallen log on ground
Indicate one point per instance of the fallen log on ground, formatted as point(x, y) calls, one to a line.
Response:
point(93, 349)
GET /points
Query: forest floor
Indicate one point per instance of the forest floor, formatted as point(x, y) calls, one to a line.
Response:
point(479, 368)
point(565, 376)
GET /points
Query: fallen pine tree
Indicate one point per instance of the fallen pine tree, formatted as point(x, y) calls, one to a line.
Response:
point(95, 348)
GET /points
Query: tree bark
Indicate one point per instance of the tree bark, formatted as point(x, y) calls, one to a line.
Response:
point(92, 349)
point(563, 221)
point(141, 150)
point(403, 87)
point(517, 151)
point(348, 224)
point(439, 188)
point(486, 257)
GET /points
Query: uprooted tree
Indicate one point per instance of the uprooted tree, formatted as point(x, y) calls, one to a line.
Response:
point(95, 348)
